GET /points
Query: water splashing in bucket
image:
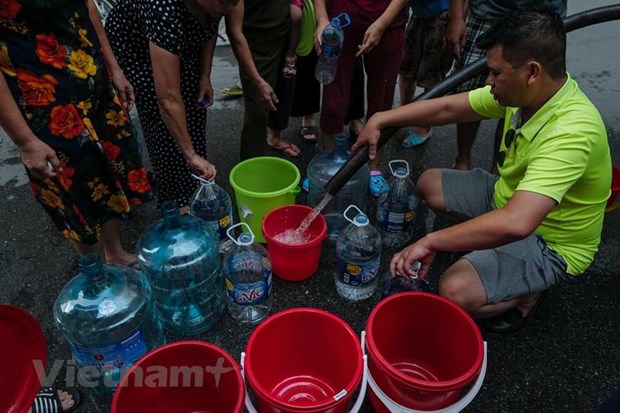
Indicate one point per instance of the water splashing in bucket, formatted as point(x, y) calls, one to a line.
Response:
point(298, 236)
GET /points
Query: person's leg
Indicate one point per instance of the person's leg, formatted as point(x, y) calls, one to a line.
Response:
point(290, 60)
point(465, 136)
point(110, 239)
point(466, 132)
point(382, 65)
point(307, 96)
point(357, 103)
point(267, 55)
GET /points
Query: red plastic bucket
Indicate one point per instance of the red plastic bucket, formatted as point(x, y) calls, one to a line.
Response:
point(423, 350)
point(185, 376)
point(22, 348)
point(304, 360)
point(293, 262)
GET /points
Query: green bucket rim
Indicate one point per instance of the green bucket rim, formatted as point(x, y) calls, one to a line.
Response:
point(292, 188)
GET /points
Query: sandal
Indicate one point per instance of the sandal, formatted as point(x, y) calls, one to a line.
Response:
point(415, 140)
point(309, 133)
point(48, 401)
point(286, 148)
point(236, 90)
point(512, 320)
point(290, 67)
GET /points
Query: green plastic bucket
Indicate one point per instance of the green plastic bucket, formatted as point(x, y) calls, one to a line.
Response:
point(262, 184)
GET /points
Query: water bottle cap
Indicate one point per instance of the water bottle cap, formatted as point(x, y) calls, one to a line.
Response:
point(361, 220)
point(336, 21)
point(401, 173)
point(245, 239)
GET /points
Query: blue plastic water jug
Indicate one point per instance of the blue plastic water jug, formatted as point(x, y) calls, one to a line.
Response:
point(108, 316)
point(179, 253)
point(212, 203)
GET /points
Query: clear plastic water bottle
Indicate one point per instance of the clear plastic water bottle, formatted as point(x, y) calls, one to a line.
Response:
point(321, 168)
point(358, 253)
point(392, 285)
point(108, 316)
point(247, 274)
point(396, 209)
point(332, 39)
point(212, 203)
point(179, 253)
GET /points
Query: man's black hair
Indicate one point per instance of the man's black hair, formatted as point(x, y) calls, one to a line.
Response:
point(530, 34)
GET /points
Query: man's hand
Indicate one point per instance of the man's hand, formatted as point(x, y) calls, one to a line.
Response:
point(369, 135)
point(40, 160)
point(204, 169)
point(402, 262)
point(124, 89)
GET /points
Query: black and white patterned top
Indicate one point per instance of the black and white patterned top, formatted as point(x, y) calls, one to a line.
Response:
point(169, 24)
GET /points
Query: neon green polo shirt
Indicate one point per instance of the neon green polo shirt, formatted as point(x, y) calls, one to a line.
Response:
point(561, 152)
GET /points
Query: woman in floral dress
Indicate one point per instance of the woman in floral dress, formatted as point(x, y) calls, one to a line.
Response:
point(59, 104)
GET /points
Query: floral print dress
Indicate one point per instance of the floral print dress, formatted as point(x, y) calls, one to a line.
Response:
point(50, 57)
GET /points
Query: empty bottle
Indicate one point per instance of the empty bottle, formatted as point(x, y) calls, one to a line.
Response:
point(392, 285)
point(108, 316)
point(332, 39)
point(358, 255)
point(212, 203)
point(396, 209)
point(179, 253)
point(247, 274)
point(321, 168)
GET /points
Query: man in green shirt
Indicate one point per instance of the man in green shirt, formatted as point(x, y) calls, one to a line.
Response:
point(537, 224)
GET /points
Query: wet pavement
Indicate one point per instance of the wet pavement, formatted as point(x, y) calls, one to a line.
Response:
point(566, 359)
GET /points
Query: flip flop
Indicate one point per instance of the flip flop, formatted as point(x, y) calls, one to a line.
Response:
point(286, 148)
point(48, 401)
point(309, 131)
point(415, 140)
point(236, 90)
point(512, 320)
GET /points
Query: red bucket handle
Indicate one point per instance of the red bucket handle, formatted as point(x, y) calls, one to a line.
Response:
point(392, 406)
point(358, 403)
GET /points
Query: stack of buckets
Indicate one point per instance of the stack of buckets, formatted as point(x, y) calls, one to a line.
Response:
point(265, 189)
point(423, 351)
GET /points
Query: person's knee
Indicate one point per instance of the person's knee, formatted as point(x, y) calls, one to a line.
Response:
point(429, 187)
point(461, 285)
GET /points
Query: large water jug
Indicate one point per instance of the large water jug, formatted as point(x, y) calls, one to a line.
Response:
point(108, 316)
point(320, 170)
point(247, 275)
point(396, 209)
point(332, 39)
point(179, 253)
point(358, 255)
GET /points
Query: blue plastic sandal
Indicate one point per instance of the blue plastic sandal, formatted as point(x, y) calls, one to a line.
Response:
point(415, 140)
point(378, 185)
point(305, 185)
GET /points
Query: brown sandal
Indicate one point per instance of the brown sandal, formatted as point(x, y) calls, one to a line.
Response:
point(290, 67)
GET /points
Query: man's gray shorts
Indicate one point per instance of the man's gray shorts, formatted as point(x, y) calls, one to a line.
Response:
point(519, 268)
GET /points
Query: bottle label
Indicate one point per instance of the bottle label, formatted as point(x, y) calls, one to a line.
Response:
point(111, 356)
point(356, 274)
point(221, 224)
point(249, 293)
point(393, 221)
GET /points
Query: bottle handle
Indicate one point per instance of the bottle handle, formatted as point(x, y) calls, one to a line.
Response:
point(359, 211)
point(202, 180)
point(236, 240)
point(336, 21)
point(398, 161)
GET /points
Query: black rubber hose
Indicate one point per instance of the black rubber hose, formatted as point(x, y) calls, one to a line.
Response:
point(360, 157)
